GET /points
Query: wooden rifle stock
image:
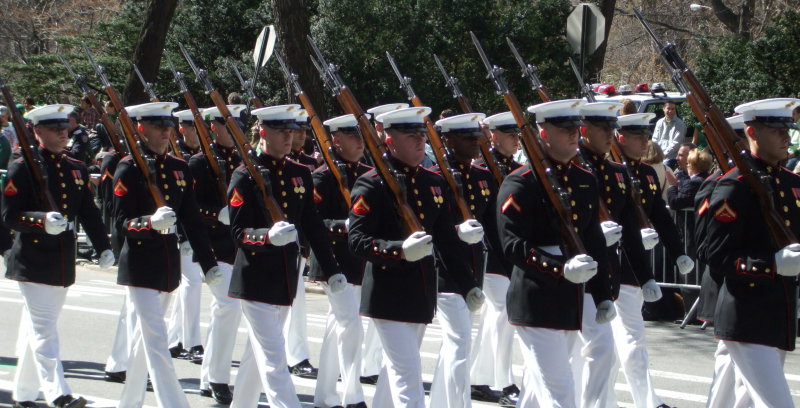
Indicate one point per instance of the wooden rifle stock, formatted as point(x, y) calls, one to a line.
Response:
point(108, 124)
point(205, 145)
point(31, 157)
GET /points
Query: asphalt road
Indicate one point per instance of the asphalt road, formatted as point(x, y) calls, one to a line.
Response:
point(681, 361)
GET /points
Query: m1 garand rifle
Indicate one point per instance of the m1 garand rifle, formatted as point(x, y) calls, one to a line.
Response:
point(259, 174)
point(324, 142)
point(145, 163)
point(111, 130)
point(531, 73)
point(349, 104)
point(439, 150)
point(247, 88)
point(488, 158)
point(556, 195)
point(616, 154)
point(31, 156)
point(215, 163)
point(151, 93)
point(721, 136)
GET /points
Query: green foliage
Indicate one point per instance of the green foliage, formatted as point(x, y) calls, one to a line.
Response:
point(736, 71)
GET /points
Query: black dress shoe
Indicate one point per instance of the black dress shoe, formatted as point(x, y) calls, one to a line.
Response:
point(178, 351)
point(24, 404)
point(115, 376)
point(370, 379)
point(361, 404)
point(196, 354)
point(220, 392)
point(510, 396)
point(68, 401)
point(303, 369)
point(483, 393)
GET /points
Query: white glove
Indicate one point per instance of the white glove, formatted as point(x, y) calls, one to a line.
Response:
point(347, 225)
point(106, 259)
point(213, 276)
point(606, 312)
point(186, 248)
point(224, 216)
point(163, 218)
point(649, 238)
point(55, 223)
point(282, 233)
point(337, 283)
point(651, 292)
point(612, 231)
point(470, 231)
point(474, 299)
point(686, 264)
point(580, 268)
point(417, 246)
point(787, 260)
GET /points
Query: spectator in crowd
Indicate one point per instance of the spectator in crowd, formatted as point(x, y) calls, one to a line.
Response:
point(628, 107)
point(6, 128)
point(235, 98)
point(28, 103)
point(78, 145)
point(794, 141)
point(89, 116)
point(670, 132)
point(655, 158)
point(681, 171)
point(103, 141)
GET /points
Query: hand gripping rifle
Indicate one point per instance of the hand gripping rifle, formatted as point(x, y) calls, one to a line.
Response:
point(323, 138)
point(616, 154)
point(452, 83)
point(435, 140)
point(557, 196)
point(247, 88)
point(148, 87)
point(111, 130)
point(145, 164)
point(259, 174)
point(215, 163)
point(29, 154)
point(722, 137)
point(350, 105)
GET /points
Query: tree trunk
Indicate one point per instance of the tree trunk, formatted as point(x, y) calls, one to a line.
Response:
point(292, 24)
point(149, 49)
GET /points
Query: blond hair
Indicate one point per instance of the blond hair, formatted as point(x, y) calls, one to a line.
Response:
point(699, 161)
point(654, 154)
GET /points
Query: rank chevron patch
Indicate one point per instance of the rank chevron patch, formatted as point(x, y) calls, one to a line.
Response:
point(120, 189)
point(510, 202)
point(703, 207)
point(11, 189)
point(725, 213)
point(236, 198)
point(361, 207)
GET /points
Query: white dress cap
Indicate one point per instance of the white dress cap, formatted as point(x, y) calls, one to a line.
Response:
point(278, 117)
point(344, 123)
point(54, 116)
point(736, 122)
point(602, 114)
point(185, 116)
point(213, 112)
point(302, 119)
point(565, 113)
point(468, 124)
point(636, 123)
point(775, 112)
point(409, 119)
point(503, 122)
point(377, 110)
point(158, 113)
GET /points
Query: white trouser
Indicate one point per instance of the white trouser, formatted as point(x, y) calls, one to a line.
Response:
point(595, 356)
point(295, 330)
point(39, 364)
point(547, 381)
point(118, 359)
point(491, 353)
point(761, 369)
point(628, 329)
point(400, 382)
point(341, 350)
point(263, 363)
point(221, 336)
point(450, 385)
point(727, 388)
point(184, 322)
point(373, 351)
point(149, 353)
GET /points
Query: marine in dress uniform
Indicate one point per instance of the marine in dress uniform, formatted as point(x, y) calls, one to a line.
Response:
point(42, 257)
point(340, 353)
point(183, 329)
point(149, 261)
point(545, 297)
point(78, 145)
point(373, 352)
point(457, 296)
point(756, 315)
point(629, 333)
point(596, 352)
point(225, 311)
point(295, 330)
point(726, 383)
point(399, 286)
point(491, 353)
point(265, 273)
